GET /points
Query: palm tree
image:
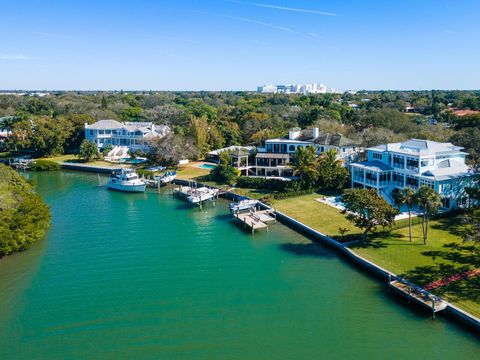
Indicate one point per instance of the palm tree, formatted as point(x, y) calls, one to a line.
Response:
point(406, 197)
point(429, 202)
point(329, 158)
point(7, 122)
point(304, 166)
point(332, 175)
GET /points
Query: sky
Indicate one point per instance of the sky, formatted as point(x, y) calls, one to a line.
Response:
point(239, 45)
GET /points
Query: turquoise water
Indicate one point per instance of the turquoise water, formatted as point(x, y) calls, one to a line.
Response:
point(207, 166)
point(142, 276)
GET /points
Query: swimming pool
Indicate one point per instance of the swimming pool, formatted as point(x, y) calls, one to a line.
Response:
point(207, 166)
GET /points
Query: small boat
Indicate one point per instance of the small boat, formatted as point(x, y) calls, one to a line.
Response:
point(126, 180)
point(166, 178)
point(242, 205)
point(201, 194)
point(156, 168)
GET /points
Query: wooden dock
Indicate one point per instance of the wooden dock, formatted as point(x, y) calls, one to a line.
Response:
point(256, 220)
point(418, 295)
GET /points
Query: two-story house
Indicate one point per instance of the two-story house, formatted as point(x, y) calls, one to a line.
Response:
point(416, 163)
point(273, 159)
point(134, 135)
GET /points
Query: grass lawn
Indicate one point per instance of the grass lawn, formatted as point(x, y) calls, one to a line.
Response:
point(317, 215)
point(74, 159)
point(191, 171)
point(252, 193)
point(444, 255)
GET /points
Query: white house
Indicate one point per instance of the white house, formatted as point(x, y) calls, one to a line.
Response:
point(134, 135)
point(273, 159)
point(416, 163)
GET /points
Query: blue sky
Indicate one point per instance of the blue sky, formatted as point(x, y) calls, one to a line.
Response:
point(237, 45)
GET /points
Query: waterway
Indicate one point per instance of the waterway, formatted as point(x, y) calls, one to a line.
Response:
point(143, 276)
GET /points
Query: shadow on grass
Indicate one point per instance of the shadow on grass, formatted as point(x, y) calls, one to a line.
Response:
point(452, 225)
point(463, 258)
point(308, 249)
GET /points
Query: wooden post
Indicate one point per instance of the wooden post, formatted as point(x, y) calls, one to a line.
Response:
point(433, 308)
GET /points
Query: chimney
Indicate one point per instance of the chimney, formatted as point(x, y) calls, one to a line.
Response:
point(315, 132)
point(153, 127)
point(294, 133)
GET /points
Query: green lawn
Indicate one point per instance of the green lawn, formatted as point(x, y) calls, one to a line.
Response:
point(317, 215)
point(74, 159)
point(191, 171)
point(444, 255)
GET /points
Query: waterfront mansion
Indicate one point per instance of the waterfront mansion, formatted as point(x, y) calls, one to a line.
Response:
point(273, 159)
point(416, 163)
point(134, 135)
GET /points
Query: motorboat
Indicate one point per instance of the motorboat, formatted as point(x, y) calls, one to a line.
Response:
point(201, 194)
point(169, 176)
point(242, 205)
point(126, 180)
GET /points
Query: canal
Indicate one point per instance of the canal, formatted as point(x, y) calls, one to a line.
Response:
point(143, 276)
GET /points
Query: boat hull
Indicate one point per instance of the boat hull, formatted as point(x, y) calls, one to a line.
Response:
point(127, 188)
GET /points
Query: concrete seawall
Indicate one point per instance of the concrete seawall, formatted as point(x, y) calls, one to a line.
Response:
point(88, 168)
point(378, 271)
point(383, 274)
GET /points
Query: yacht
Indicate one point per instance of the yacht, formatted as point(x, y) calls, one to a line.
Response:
point(126, 180)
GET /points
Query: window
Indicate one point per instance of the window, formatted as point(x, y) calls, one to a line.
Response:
point(91, 132)
point(291, 148)
point(377, 156)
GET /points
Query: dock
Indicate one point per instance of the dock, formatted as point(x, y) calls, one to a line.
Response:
point(418, 295)
point(256, 220)
point(196, 195)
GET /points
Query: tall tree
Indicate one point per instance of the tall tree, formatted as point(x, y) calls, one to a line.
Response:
point(305, 166)
point(88, 150)
point(225, 172)
point(332, 175)
point(367, 210)
point(428, 201)
point(407, 197)
point(199, 130)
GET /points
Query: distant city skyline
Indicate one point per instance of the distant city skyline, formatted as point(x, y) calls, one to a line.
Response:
point(223, 45)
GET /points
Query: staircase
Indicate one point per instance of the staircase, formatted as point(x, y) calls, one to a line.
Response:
point(386, 193)
point(118, 152)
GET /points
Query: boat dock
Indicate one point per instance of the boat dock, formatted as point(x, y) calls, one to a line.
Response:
point(256, 220)
point(418, 295)
point(196, 195)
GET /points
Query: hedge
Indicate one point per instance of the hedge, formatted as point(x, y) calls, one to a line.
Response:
point(262, 183)
point(44, 165)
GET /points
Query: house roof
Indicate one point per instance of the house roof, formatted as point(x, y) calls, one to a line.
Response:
point(339, 140)
point(272, 156)
point(373, 165)
point(419, 147)
point(248, 149)
point(105, 125)
point(449, 169)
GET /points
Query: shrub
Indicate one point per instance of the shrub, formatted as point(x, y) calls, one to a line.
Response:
point(44, 165)
point(145, 173)
point(262, 183)
point(291, 193)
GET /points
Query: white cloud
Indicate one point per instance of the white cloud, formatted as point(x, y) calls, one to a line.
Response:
point(269, 6)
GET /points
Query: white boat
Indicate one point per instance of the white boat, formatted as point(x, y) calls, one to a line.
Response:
point(126, 180)
point(167, 177)
point(201, 194)
point(242, 205)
